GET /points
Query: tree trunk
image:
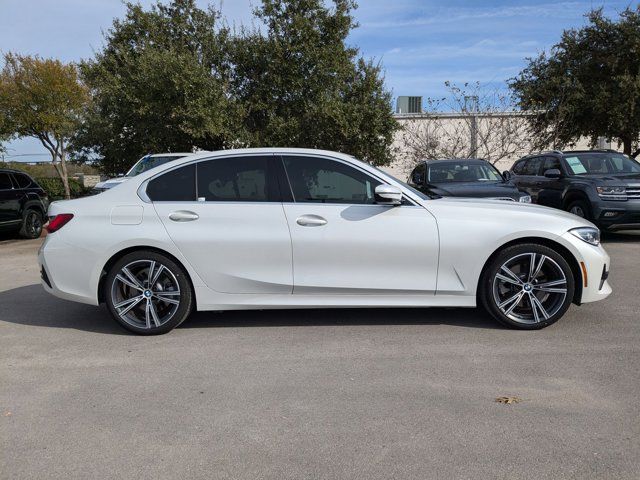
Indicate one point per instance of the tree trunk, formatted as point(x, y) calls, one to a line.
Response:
point(64, 176)
point(626, 143)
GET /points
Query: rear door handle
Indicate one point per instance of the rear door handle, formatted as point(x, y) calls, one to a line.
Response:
point(311, 221)
point(183, 216)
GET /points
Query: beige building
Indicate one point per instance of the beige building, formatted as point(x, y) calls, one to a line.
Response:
point(499, 137)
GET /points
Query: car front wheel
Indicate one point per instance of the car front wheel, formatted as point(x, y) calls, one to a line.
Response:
point(148, 293)
point(31, 224)
point(527, 286)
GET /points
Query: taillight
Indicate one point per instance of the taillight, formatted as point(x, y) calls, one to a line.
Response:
point(59, 221)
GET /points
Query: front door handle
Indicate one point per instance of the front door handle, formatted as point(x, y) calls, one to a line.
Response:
point(311, 221)
point(183, 216)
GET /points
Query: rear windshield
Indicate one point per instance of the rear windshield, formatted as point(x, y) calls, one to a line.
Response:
point(601, 164)
point(148, 162)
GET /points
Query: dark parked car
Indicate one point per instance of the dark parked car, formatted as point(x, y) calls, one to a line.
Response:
point(600, 185)
point(23, 204)
point(464, 178)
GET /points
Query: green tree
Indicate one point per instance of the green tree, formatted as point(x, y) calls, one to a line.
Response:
point(588, 85)
point(301, 85)
point(42, 98)
point(159, 85)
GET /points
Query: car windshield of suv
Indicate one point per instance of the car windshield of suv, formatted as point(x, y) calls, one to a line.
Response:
point(149, 162)
point(463, 172)
point(601, 164)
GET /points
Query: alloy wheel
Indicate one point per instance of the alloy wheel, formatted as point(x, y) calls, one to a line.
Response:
point(530, 288)
point(145, 294)
point(578, 210)
point(33, 224)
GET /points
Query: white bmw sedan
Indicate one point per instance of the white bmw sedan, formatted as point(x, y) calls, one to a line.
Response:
point(294, 228)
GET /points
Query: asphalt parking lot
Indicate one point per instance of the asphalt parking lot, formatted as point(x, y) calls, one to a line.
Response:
point(348, 394)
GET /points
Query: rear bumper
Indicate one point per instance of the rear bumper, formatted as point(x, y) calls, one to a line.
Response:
point(63, 271)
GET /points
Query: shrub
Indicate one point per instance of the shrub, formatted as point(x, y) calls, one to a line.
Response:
point(55, 190)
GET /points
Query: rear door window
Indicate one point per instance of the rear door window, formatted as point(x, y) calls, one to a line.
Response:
point(177, 185)
point(22, 180)
point(532, 166)
point(237, 179)
point(5, 181)
point(551, 163)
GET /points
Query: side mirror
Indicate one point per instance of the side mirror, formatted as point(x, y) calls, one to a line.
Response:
point(388, 195)
point(553, 173)
point(506, 175)
point(417, 179)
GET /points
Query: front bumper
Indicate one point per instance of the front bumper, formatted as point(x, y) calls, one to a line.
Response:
point(594, 265)
point(615, 216)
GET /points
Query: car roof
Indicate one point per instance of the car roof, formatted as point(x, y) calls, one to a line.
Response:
point(170, 154)
point(455, 160)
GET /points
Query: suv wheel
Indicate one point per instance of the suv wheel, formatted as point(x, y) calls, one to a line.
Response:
point(580, 208)
point(31, 224)
point(527, 286)
point(148, 293)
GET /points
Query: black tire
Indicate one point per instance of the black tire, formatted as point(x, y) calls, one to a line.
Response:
point(581, 208)
point(31, 224)
point(172, 285)
point(493, 292)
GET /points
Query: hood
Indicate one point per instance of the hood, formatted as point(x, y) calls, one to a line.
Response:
point(537, 215)
point(614, 179)
point(477, 189)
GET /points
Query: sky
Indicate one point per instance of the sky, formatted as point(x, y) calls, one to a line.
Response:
point(420, 43)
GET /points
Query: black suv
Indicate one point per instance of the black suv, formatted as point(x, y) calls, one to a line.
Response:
point(23, 204)
point(602, 186)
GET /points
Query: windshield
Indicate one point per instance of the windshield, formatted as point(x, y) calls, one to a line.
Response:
point(601, 164)
point(149, 162)
point(463, 172)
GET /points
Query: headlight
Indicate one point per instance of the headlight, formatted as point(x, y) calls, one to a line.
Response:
point(525, 199)
point(587, 234)
point(612, 193)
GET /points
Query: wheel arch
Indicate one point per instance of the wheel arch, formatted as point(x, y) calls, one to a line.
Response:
point(138, 248)
point(558, 247)
point(573, 195)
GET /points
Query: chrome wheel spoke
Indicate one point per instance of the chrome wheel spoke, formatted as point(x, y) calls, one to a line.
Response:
point(154, 314)
point(128, 304)
point(128, 282)
point(514, 302)
point(155, 277)
point(147, 314)
point(534, 270)
point(507, 279)
point(537, 308)
point(512, 275)
point(152, 266)
point(132, 278)
point(163, 297)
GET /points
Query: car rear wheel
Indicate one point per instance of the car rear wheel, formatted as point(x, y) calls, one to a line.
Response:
point(148, 293)
point(31, 224)
point(527, 286)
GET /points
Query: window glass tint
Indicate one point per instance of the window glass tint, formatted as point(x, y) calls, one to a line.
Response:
point(5, 181)
point(178, 185)
point(418, 175)
point(463, 172)
point(532, 166)
point(235, 179)
point(596, 163)
point(551, 163)
point(518, 168)
point(321, 180)
point(22, 180)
